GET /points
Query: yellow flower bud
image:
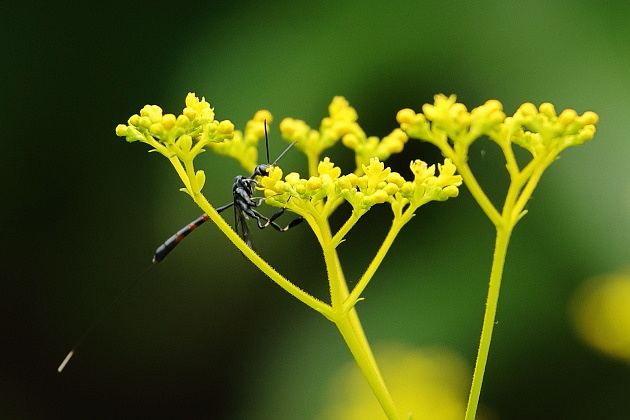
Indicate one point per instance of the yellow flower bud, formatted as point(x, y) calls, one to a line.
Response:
point(156, 129)
point(407, 189)
point(340, 108)
point(153, 112)
point(344, 183)
point(263, 115)
point(314, 183)
point(406, 116)
point(350, 141)
point(589, 117)
point(396, 178)
point(225, 127)
point(567, 117)
point(183, 121)
point(390, 188)
point(526, 111)
point(450, 191)
point(586, 133)
point(293, 178)
point(547, 109)
point(134, 120)
point(121, 130)
point(168, 121)
point(144, 122)
point(377, 197)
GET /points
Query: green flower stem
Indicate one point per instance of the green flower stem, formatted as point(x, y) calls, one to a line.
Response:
point(249, 253)
point(532, 182)
point(397, 225)
point(343, 231)
point(312, 158)
point(504, 224)
point(195, 190)
point(338, 286)
point(177, 164)
point(520, 190)
point(496, 274)
point(355, 339)
point(348, 323)
point(473, 186)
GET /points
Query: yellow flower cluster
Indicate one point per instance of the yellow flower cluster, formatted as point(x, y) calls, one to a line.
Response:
point(541, 131)
point(447, 118)
point(341, 124)
point(546, 132)
point(173, 135)
point(342, 121)
point(378, 185)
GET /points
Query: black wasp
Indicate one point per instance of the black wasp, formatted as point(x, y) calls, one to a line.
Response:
point(244, 204)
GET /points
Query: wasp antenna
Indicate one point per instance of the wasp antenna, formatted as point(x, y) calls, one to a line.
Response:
point(267, 142)
point(283, 153)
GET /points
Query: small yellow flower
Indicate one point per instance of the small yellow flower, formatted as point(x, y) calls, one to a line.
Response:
point(196, 108)
point(326, 167)
point(274, 174)
point(447, 175)
point(375, 173)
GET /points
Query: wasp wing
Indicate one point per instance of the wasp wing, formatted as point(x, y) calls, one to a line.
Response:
point(242, 229)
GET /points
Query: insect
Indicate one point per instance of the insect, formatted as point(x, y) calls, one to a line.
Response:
point(244, 204)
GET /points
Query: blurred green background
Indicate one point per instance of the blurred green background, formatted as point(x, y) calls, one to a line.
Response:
point(207, 336)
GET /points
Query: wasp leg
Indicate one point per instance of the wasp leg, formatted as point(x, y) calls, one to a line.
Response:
point(271, 221)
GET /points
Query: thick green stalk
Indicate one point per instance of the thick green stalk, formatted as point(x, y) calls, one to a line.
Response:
point(347, 321)
point(355, 339)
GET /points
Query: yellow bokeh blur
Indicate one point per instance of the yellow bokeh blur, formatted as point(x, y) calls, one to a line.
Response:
point(600, 312)
point(428, 382)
